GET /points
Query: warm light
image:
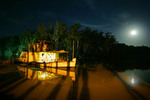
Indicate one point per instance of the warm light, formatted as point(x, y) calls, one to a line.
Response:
point(47, 57)
point(43, 76)
point(46, 75)
point(133, 32)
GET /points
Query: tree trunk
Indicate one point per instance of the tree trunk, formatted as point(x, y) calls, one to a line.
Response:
point(57, 45)
point(78, 48)
point(73, 50)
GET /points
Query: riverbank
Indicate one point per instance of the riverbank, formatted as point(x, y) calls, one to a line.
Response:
point(7, 68)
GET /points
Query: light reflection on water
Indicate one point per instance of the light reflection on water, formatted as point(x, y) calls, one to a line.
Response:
point(136, 76)
point(46, 74)
point(83, 83)
point(142, 74)
point(138, 81)
point(132, 77)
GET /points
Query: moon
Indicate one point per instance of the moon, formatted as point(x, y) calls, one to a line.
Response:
point(133, 32)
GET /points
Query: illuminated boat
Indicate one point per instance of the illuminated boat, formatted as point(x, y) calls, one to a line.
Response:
point(43, 53)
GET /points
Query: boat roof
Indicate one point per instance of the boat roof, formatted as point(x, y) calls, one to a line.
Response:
point(53, 51)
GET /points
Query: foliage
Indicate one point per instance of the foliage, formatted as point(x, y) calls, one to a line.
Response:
point(88, 44)
point(42, 32)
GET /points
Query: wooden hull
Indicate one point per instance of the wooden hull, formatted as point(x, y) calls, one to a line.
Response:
point(60, 64)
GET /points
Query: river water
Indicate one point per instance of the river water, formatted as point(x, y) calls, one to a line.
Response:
point(80, 83)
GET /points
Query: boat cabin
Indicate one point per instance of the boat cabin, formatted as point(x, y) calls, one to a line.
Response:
point(43, 53)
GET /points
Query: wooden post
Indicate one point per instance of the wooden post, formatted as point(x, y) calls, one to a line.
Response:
point(67, 57)
point(44, 65)
point(68, 64)
point(27, 57)
point(56, 64)
point(28, 53)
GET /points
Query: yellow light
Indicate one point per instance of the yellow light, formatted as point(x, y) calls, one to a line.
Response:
point(47, 57)
point(43, 76)
point(46, 75)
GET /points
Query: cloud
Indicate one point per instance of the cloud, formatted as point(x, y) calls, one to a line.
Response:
point(95, 26)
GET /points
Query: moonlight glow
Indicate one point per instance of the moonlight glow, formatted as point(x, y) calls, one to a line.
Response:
point(132, 80)
point(133, 32)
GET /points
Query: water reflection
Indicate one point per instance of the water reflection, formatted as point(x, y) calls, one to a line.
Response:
point(47, 73)
point(136, 77)
point(137, 82)
point(132, 79)
point(82, 83)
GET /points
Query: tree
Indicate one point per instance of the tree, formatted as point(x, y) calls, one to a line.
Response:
point(51, 31)
point(75, 35)
point(10, 45)
point(42, 31)
point(63, 35)
point(89, 44)
point(109, 42)
point(60, 33)
point(56, 34)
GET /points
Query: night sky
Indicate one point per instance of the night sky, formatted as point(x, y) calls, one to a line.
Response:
point(117, 16)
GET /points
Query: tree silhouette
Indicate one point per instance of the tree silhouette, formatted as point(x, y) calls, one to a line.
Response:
point(75, 35)
point(87, 44)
